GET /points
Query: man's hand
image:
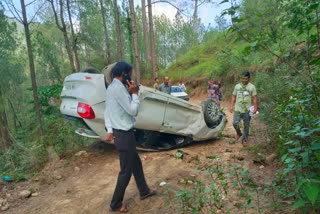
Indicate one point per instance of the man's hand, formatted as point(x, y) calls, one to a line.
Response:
point(110, 137)
point(255, 103)
point(233, 101)
point(132, 87)
point(255, 110)
point(231, 109)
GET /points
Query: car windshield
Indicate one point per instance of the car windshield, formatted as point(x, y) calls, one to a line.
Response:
point(176, 89)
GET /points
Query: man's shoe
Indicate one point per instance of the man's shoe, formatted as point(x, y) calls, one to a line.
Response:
point(123, 209)
point(245, 143)
point(238, 136)
point(150, 193)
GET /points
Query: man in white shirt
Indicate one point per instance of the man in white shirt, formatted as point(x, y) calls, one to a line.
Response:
point(119, 114)
point(182, 86)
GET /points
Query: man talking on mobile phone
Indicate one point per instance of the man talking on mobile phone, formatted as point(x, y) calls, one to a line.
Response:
point(122, 104)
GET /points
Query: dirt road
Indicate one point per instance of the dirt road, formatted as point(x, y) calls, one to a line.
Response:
point(85, 183)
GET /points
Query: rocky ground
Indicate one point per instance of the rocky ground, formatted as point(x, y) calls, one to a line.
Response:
point(85, 182)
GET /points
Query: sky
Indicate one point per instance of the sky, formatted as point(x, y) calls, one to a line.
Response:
point(206, 12)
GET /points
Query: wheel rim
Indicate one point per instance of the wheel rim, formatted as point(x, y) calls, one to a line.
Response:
point(213, 110)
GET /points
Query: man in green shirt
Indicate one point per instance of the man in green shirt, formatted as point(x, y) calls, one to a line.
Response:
point(244, 94)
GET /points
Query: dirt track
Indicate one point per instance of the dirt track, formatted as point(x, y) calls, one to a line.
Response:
point(90, 189)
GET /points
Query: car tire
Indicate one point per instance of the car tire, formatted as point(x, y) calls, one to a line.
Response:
point(90, 70)
point(211, 111)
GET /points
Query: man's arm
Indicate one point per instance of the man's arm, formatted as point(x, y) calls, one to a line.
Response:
point(255, 103)
point(233, 101)
point(107, 120)
point(130, 106)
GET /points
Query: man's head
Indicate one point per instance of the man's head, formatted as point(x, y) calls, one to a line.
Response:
point(210, 82)
point(156, 79)
point(166, 80)
point(245, 77)
point(122, 71)
point(180, 81)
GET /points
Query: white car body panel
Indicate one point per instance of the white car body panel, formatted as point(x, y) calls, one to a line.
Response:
point(158, 111)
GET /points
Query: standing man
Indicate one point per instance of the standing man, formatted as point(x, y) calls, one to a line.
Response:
point(212, 90)
point(244, 94)
point(156, 83)
point(217, 92)
point(165, 86)
point(182, 86)
point(119, 114)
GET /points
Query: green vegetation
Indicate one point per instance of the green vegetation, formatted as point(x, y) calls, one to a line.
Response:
point(277, 41)
point(279, 44)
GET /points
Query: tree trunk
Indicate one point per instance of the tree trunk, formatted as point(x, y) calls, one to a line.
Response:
point(153, 48)
point(195, 22)
point(130, 37)
point(116, 14)
point(135, 40)
point(145, 35)
point(106, 36)
point(31, 66)
point(63, 29)
point(5, 138)
point(15, 117)
point(74, 39)
point(86, 51)
point(195, 16)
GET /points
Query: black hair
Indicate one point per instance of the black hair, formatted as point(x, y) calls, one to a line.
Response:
point(156, 78)
point(180, 81)
point(121, 67)
point(246, 74)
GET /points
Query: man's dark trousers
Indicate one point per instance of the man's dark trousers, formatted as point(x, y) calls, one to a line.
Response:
point(130, 163)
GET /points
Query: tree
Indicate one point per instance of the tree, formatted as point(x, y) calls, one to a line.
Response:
point(195, 16)
point(106, 36)
point(153, 48)
point(222, 24)
point(62, 27)
point(116, 15)
point(261, 38)
point(145, 34)
point(24, 21)
point(135, 40)
point(74, 39)
point(10, 71)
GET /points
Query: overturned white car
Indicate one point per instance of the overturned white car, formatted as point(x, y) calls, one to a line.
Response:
point(163, 121)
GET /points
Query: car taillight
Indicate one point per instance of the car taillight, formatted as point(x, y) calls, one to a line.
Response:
point(85, 111)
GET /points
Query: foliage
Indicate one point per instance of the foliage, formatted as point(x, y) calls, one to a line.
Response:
point(297, 123)
point(48, 97)
point(295, 120)
point(208, 194)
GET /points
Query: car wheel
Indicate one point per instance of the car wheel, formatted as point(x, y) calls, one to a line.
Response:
point(211, 110)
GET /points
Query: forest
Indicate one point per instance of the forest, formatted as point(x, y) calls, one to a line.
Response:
point(277, 41)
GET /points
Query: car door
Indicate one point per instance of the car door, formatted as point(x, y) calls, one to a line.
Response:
point(181, 117)
point(151, 110)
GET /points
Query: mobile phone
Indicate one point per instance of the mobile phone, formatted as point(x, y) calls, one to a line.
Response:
point(126, 78)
